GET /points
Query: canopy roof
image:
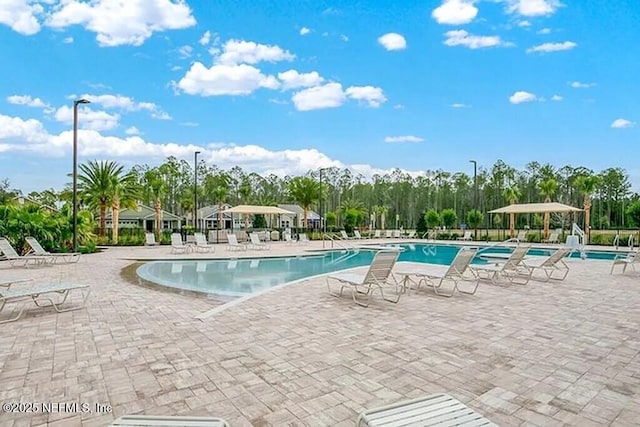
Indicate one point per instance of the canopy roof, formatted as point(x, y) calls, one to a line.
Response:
point(536, 208)
point(253, 209)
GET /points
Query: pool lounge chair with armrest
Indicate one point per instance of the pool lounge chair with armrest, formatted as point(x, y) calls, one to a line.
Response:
point(344, 235)
point(467, 236)
point(365, 284)
point(433, 410)
point(388, 234)
point(256, 243)
point(233, 245)
point(455, 274)
point(37, 249)
point(412, 234)
point(625, 260)
point(553, 238)
point(513, 268)
point(554, 263)
point(377, 234)
point(39, 293)
point(357, 235)
point(177, 246)
point(15, 259)
point(150, 239)
point(202, 245)
point(303, 239)
point(168, 421)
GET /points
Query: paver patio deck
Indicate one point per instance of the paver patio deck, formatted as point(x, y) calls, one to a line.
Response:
point(544, 354)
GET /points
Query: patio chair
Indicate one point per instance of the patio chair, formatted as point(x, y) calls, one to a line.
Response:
point(376, 277)
point(233, 244)
point(303, 239)
point(168, 421)
point(397, 234)
point(24, 261)
point(377, 234)
point(150, 239)
point(625, 260)
point(256, 243)
point(344, 235)
point(513, 268)
point(434, 410)
point(388, 234)
point(37, 249)
point(412, 234)
point(39, 293)
point(6, 283)
point(357, 235)
point(553, 238)
point(202, 245)
point(454, 274)
point(177, 246)
point(467, 236)
point(554, 263)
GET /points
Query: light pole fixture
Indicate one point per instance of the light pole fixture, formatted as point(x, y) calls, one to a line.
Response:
point(75, 170)
point(322, 229)
point(475, 184)
point(195, 191)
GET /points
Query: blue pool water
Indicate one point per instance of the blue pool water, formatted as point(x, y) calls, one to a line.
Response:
point(246, 276)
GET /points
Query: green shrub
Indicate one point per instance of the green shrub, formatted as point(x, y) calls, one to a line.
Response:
point(449, 218)
point(454, 236)
point(421, 226)
point(432, 218)
point(443, 236)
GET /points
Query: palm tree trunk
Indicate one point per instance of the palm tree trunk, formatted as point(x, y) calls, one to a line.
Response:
point(382, 221)
point(547, 220)
point(587, 215)
point(512, 225)
point(115, 215)
point(304, 217)
point(103, 218)
point(158, 209)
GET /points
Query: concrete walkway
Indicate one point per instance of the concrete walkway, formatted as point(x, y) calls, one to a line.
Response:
point(544, 354)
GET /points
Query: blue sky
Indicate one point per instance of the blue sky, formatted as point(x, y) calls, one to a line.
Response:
point(289, 86)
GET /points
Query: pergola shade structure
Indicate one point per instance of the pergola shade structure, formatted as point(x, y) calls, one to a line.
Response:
point(545, 208)
point(254, 209)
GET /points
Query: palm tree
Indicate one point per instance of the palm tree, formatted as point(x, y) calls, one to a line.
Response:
point(512, 193)
point(218, 186)
point(96, 180)
point(587, 185)
point(245, 191)
point(124, 193)
point(305, 191)
point(548, 189)
point(156, 189)
point(382, 211)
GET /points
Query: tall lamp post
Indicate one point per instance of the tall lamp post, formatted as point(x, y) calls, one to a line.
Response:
point(475, 184)
point(195, 191)
point(75, 171)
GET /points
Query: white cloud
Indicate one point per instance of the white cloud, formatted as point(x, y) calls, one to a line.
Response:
point(125, 103)
point(405, 138)
point(67, 40)
point(133, 131)
point(185, 51)
point(304, 31)
point(26, 100)
point(522, 96)
point(372, 96)
point(398, 107)
point(344, 38)
point(240, 79)
point(242, 52)
point(556, 98)
point(580, 85)
point(552, 47)
point(122, 23)
point(205, 39)
point(460, 105)
point(393, 41)
point(190, 124)
point(21, 16)
point(292, 79)
point(15, 130)
point(87, 118)
point(329, 95)
point(533, 7)
point(622, 123)
point(455, 12)
point(545, 31)
point(463, 38)
point(524, 24)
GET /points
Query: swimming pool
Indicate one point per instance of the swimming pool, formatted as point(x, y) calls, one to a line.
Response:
point(241, 277)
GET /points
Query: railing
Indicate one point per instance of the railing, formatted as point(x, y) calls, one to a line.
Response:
point(630, 243)
point(335, 242)
point(576, 230)
point(616, 241)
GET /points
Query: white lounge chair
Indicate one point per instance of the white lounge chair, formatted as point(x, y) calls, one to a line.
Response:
point(553, 238)
point(303, 239)
point(233, 244)
point(388, 234)
point(377, 234)
point(397, 234)
point(6, 283)
point(412, 234)
point(37, 249)
point(625, 260)
point(256, 243)
point(24, 261)
point(454, 275)
point(513, 268)
point(167, 421)
point(202, 245)
point(434, 410)
point(150, 239)
point(357, 235)
point(554, 263)
point(344, 235)
point(177, 246)
point(39, 293)
point(467, 236)
point(377, 277)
